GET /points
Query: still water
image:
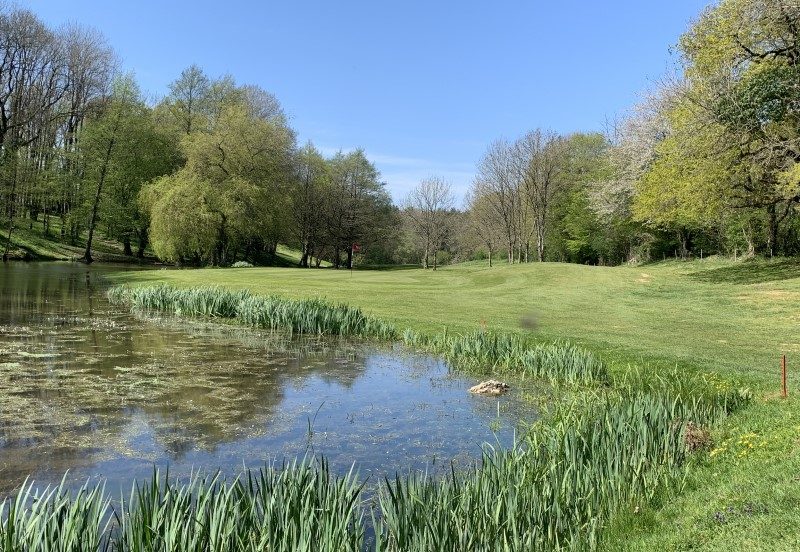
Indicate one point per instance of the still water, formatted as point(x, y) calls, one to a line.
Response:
point(90, 388)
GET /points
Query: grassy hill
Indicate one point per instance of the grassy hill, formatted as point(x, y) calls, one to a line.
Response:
point(733, 319)
point(29, 242)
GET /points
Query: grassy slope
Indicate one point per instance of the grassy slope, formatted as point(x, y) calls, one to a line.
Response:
point(734, 319)
point(28, 241)
point(31, 243)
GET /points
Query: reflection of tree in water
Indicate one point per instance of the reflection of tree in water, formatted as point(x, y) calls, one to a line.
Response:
point(193, 390)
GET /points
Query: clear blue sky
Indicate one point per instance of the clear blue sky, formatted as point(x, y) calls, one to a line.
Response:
point(422, 86)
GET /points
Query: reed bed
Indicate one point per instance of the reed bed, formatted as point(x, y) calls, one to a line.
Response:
point(486, 351)
point(55, 520)
point(560, 485)
point(306, 316)
point(300, 507)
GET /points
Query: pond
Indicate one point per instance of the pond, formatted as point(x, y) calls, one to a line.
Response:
point(88, 388)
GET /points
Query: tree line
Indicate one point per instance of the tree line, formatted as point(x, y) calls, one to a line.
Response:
point(706, 163)
point(208, 175)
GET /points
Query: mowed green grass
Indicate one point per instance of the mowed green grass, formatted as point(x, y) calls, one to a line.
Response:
point(734, 319)
point(696, 313)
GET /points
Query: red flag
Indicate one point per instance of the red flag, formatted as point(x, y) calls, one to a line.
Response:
point(356, 248)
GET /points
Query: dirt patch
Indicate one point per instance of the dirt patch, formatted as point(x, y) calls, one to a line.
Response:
point(697, 438)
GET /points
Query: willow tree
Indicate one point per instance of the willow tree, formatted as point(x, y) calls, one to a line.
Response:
point(236, 179)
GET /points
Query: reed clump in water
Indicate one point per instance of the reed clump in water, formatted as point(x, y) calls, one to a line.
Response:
point(562, 483)
point(295, 316)
point(500, 352)
point(300, 507)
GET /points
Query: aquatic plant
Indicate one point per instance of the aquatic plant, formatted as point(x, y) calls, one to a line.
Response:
point(496, 352)
point(55, 520)
point(559, 486)
point(295, 316)
point(299, 506)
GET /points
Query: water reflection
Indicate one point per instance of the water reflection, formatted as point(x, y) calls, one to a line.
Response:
point(100, 392)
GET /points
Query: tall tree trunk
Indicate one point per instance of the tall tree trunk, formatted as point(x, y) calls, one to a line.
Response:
point(87, 256)
point(142, 243)
point(540, 243)
point(434, 258)
point(772, 212)
point(350, 257)
point(490, 256)
point(11, 209)
point(683, 240)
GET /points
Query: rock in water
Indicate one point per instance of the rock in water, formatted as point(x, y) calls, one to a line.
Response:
point(490, 387)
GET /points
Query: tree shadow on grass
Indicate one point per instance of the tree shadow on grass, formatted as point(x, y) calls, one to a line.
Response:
point(751, 272)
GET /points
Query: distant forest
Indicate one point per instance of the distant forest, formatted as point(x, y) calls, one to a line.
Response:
point(708, 163)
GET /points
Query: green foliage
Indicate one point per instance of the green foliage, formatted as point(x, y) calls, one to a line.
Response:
point(561, 484)
point(766, 95)
point(493, 352)
point(230, 198)
point(686, 185)
point(299, 506)
point(307, 316)
point(741, 79)
point(55, 520)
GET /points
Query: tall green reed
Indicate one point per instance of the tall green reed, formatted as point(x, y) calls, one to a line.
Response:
point(299, 506)
point(303, 316)
point(556, 488)
point(561, 484)
point(617, 444)
point(502, 352)
point(55, 519)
